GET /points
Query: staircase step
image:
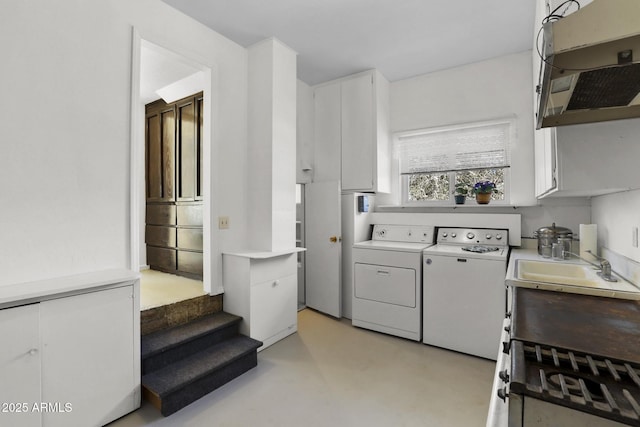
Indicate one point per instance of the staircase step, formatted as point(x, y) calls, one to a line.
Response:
point(165, 347)
point(185, 381)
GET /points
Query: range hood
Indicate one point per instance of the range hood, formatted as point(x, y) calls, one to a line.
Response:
point(591, 65)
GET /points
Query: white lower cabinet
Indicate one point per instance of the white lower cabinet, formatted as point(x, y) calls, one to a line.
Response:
point(70, 361)
point(262, 288)
point(274, 305)
point(20, 366)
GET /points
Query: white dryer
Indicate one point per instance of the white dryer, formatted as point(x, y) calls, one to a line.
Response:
point(387, 284)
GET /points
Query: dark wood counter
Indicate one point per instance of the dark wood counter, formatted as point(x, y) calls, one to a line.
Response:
point(603, 326)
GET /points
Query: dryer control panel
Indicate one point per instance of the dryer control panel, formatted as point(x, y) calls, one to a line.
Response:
point(403, 233)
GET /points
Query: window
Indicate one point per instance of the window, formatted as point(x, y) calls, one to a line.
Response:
point(434, 161)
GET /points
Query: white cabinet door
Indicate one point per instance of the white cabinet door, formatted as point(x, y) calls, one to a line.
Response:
point(358, 137)
point(324, 247)
point(87, 357)
point(20, 366)
point(273, 307)
point(327, 133)
point(545, 161)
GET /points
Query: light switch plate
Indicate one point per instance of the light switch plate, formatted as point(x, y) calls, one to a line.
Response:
point(223, 222)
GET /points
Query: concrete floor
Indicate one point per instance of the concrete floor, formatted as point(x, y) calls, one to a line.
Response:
point(333, 374)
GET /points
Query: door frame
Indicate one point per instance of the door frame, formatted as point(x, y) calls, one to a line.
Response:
point(212, 259)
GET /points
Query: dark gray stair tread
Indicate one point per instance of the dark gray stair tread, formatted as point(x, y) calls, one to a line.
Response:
point(160, 341)
point(179, 374)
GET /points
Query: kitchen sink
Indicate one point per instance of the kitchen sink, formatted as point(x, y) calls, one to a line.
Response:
point(557, 273)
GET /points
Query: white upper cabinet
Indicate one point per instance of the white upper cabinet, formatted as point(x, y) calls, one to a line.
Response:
point(327, 139)
point(352, 132)
point(589, 160)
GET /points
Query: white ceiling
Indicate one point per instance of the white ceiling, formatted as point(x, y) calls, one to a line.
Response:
point(401, 38)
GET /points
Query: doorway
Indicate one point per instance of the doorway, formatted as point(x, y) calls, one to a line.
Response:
point(300, 243)
point(154, 68)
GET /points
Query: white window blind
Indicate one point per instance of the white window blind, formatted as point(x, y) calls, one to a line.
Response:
point(454, 148)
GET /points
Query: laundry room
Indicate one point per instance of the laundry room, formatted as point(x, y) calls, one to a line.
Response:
point(320, 213)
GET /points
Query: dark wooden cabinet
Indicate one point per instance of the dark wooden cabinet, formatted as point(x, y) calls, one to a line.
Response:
point(160, 152)
point(174, 174)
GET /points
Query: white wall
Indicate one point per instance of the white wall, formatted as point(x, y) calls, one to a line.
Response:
point(616, 215)
point(496, 88)
point(304, 131)
point(65, 157)
point(272, 146)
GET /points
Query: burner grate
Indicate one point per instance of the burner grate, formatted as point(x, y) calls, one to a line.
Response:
point(589, 383)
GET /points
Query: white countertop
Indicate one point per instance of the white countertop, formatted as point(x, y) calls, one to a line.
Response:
point(41, 290)
point(620, 289)
point(265, 254)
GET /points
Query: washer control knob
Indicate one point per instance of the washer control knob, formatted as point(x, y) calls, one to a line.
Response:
point(488, 236)
point(445, 234)
point(453, 235)
point(498, 236)
point(470, 235)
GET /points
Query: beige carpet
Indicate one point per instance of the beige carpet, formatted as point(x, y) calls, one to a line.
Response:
point(158, 289)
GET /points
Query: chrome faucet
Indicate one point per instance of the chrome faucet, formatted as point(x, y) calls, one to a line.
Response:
point(605, 266)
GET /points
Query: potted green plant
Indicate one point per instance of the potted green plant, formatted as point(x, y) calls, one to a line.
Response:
point(461, 192)
point(483, 190)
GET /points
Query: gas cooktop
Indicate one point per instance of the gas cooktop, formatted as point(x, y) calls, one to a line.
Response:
point(597, 385)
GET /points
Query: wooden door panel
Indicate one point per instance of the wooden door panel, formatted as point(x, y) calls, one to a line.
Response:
point(190, 262)
point(154, 158)
point(160, 236)
point(186, 151)
point(168, 154)
point(190, 238)
point(161, 258)
point(200, 149)
point(189, 215)
point(161, 214)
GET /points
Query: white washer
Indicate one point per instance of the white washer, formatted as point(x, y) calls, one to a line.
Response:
point(464, 293)
point(387, 284)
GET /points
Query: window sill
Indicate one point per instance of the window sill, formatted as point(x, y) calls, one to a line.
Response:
point(445, 206)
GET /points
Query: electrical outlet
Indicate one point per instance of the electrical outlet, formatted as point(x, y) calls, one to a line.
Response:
point(223, 222)
point(634, 237)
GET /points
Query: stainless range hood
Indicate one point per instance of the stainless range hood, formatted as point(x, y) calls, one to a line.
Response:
point(591, 65)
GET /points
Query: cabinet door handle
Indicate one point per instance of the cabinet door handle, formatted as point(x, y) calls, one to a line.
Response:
point(275, 283)
point(33, 351)
point(384, 272)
